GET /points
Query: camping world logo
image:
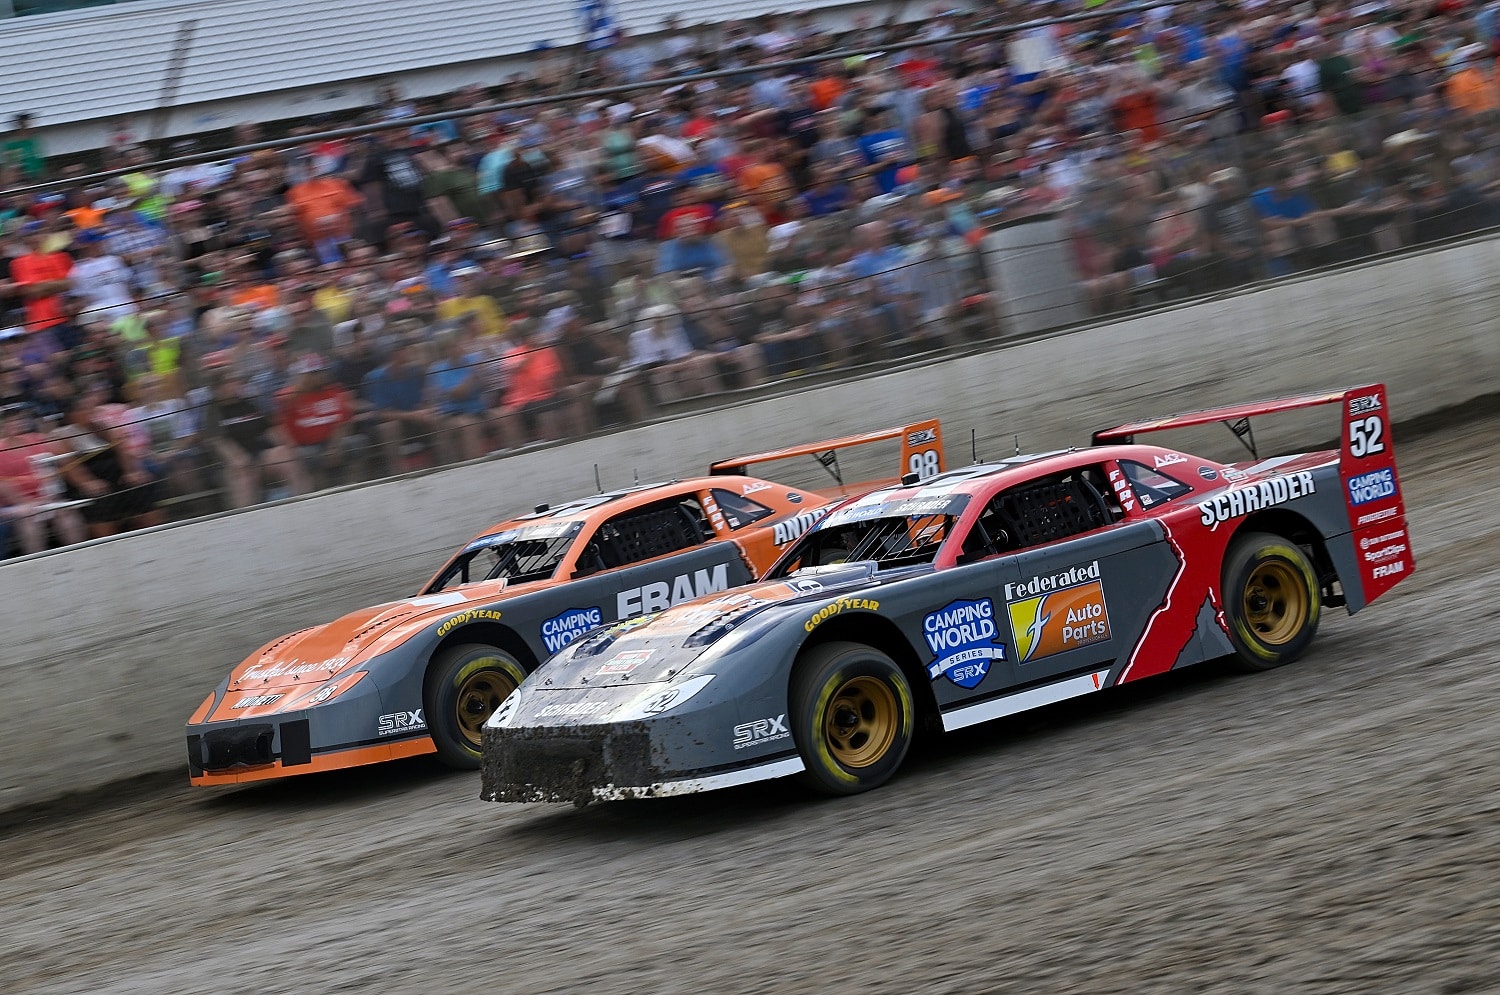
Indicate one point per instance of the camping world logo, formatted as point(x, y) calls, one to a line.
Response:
point(962, 636)
point(1060, 621)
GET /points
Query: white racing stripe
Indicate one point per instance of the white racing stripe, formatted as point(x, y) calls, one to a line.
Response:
point(764, 772)
point(1035, 698)
point(1266, 465)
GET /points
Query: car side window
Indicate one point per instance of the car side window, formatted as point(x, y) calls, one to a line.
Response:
point(1048, 510)
point(1151, 485)
point(739, 510)
point(656, 529)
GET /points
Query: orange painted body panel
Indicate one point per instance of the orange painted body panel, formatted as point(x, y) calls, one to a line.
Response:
point(357, 757)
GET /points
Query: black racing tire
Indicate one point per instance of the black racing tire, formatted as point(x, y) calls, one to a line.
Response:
point(464, 686)
point(852, 717)
point(1271, 600)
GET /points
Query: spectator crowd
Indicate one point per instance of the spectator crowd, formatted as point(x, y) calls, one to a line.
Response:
point(214, 335)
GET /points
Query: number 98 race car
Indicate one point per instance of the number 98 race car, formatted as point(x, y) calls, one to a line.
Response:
point(972, 595)
point(421, 675)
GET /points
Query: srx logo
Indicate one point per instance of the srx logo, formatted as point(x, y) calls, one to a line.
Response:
point(760, 731)
point(401, 722)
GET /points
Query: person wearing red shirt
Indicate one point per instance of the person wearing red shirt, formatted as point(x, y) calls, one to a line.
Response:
point(29, 486)
point(315, 414)
point(42, 278)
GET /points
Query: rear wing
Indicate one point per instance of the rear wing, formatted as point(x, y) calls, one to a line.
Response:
point(1367, 467)
point(921, 454)
point(1235, 416)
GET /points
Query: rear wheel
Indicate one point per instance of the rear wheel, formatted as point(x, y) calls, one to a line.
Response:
point(852, 717)
point(465, 684)
point(1270, 600)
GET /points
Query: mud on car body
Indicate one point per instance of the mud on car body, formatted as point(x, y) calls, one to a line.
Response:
point(421, 675)
point(972, 595)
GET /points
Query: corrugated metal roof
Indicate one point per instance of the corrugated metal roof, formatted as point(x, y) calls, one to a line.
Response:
point(108, 62)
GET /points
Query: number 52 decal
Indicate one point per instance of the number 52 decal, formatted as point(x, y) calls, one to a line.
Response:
point(1365, 436)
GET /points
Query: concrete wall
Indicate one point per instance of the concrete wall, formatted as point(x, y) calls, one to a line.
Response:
point(109, 647)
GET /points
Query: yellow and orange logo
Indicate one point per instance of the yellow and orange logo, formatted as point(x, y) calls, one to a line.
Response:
point(1059, 621)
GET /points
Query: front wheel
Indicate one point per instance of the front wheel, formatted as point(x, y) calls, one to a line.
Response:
point(465, 684)
point(852, 717)
point(1270, 600)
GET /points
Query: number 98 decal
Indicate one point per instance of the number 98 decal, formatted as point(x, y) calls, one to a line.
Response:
point(1365, 436)
point(924, 464)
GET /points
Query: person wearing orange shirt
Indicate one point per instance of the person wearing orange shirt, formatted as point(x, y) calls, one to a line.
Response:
point(323, 204)
point(42, 278)
point(1473, 90)
point(530, 407)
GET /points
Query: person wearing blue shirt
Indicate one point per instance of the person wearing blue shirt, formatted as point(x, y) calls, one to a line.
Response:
point(455, 382)
point(885, 150)
point(396, 393)
point(689, 249)
point(1286, 211)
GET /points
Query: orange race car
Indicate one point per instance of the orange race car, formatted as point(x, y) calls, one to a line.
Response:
point(422, 675)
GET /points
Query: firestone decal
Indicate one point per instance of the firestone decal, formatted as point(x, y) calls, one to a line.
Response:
point(1266, 494)
point(624, 663)
point(560, 630)
point(962, 635)
point(256, 701)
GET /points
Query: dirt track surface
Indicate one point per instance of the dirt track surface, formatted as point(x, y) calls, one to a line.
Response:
point(1331, 827)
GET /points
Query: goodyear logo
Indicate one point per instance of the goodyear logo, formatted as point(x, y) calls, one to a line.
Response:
point(463, 618)
point(841, 605)
point(962, 636)
point(1062, 620)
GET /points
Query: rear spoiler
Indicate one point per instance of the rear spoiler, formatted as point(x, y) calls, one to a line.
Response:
point(921, 453)
point(1235, 416)
point(1367, 467)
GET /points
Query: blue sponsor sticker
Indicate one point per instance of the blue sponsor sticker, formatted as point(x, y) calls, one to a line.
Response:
point(962, 635)
point(1372, 486)
point(560, 630)
point(1208, 473)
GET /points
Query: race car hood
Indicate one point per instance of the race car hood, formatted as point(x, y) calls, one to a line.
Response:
point(316, 653)
point(662, 647)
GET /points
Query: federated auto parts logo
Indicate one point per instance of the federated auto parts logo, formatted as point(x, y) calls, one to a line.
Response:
point(962, 636)
point(1061, 620)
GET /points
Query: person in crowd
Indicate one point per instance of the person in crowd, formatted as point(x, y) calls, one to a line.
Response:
point(31, 491)
point(314, 415)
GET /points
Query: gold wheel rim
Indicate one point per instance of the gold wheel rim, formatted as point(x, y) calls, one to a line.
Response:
point(860, 722)
point(1276, 602)
point(478, 697)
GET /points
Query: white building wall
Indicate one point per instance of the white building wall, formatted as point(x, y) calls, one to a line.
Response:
point(269, 59)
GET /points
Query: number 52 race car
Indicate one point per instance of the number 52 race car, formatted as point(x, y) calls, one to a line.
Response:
point(421, 675)
point(974, 594)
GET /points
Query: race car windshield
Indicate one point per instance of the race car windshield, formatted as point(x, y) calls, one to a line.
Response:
point(889, 542)
point(520, 555)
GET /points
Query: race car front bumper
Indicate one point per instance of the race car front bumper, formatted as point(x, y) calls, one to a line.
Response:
point(607, 762)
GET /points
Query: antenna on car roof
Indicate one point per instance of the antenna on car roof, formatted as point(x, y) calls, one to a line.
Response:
point(597, 482)
point(974, 444)
point(1018, 445)
point(636, 471)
